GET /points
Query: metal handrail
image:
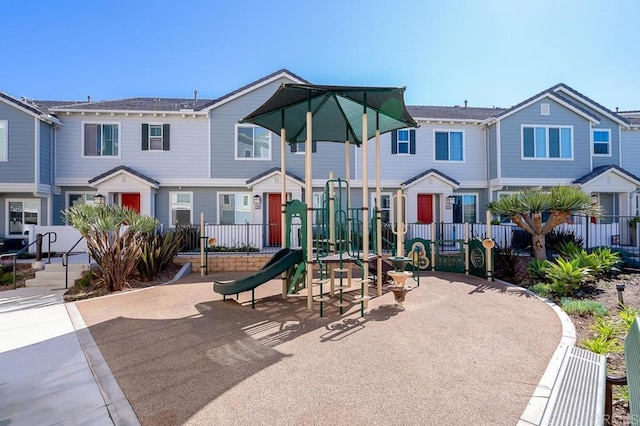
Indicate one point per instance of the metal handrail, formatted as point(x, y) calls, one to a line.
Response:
point(65, 262)
point(22, 250)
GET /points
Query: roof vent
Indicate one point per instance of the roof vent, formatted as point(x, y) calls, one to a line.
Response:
point(195, 95)
point(616, 109)
point(88, 98)
point(465, 103)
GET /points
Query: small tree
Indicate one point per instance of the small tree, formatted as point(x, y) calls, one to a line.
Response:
point(526, 208)
point(114, 237)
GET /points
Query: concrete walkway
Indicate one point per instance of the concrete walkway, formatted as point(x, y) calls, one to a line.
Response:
point(45, 377)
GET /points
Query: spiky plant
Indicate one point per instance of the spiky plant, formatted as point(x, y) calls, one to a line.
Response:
point(114, 236)
point(156, 251)
point(526, 208)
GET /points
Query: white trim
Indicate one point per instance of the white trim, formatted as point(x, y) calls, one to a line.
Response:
point(155, 137)
point(252, 88)
point(36, 153)
point(129, 112)
point(614, 171)
point(19, 187)
point(46, 118)
point(491, 120)
point(546, 127)
point(620, 145)
point(427, 176)
point(22, 200)
point(121, 172)
point(171, 224)
point(451, 120)
point(6, 141)
point(209, 166)
point(474, 184)
point(593, 142)
point(100, 157)
point(235, 143)
point(372, 200)
point(498, 152)
point(591, 104)
point(462, 194)
point(530, 182)
point(449, 131)
point(273, 173)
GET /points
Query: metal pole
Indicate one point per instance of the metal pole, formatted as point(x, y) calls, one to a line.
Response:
point(308, 198)
point(202, 243)
point(283, 198)
point(365, 207)
point(378, 213)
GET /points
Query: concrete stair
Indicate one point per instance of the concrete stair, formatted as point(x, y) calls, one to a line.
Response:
point(53, 275)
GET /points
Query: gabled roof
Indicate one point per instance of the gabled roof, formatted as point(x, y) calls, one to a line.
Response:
point(604, 169)
point(272, 171)
point(31, 109)
point(252, 86)
point(548, 93)
point(435, 172)
point(452, 112)
point(561, 87)
point(125, 169)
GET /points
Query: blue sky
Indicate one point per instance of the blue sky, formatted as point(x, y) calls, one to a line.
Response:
point(489, 52)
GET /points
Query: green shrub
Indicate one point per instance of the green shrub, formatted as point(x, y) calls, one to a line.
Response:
point(582, 307)
point(566, 276)
point(6, 277)
point(568, 249)
point(190, 235)
point(601, 345)
point(557, 237)
point(85, 281)
point(537, 269)
point(627, 259)
point(505, 261)
point(233, 249)
point(605, 327)
point(542, 290)
point(156, 252)
point(609, 260)
point(628, 315)
point(621, 393)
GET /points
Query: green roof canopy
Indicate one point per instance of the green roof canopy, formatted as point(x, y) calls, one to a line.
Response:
point(337, 112)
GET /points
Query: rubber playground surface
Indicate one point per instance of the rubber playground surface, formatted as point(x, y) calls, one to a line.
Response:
point(461, 351)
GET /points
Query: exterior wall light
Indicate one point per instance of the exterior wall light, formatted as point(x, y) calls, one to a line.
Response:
point(99, 199)
point(257, 200)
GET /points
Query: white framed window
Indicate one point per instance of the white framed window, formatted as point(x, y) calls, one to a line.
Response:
point(20, 213)
point(384, 205)
point(234, 208)
point(403, 141)
point(80, 198)
point(4, 140)
point(155, 137)
point(181, 208)
point(252, 143)
point(547, 142)
point(100, 139)
point(465, 208)
point(449, 145)
point(601, 142)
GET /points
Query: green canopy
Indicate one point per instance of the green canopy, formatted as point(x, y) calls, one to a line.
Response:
point(337, 112)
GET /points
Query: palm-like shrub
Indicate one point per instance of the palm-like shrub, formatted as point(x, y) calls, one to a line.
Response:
point(156, 252)
point(537, 269)
point(566, 275)
point(114, 236)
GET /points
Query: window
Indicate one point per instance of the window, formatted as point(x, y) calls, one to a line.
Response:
point(449, 146)
point(80, 199)
point(464, 209)
point(234, 209)
point(181, 208)
point(155, 137)
point(22, 213)
point(4, 138)
point(547, 142)
point(101, 140)
point(252, 143)
point(299, 147)
point(601, 142)
point(403, 141)
point(384, 205)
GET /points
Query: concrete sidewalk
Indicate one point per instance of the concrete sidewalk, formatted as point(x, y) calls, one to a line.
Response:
point(45, 377)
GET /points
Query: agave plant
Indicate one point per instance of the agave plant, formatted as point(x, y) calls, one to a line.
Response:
point(566, 275)
point(156, 251)
point(114, 237)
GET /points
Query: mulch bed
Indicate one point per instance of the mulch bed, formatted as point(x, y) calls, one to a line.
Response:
point(23, 272)
point(602, 291)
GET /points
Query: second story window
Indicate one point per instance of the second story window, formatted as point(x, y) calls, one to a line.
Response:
point(449, 146)
point(4, 138)
point(252, 143)
point(155, 137)
point(602, 142)
point(547, 142)
point(101, 140)
point(403, 141)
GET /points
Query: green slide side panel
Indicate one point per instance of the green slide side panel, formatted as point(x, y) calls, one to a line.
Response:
point(279, 263)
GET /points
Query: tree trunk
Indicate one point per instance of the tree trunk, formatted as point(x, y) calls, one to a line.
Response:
point(539, 246)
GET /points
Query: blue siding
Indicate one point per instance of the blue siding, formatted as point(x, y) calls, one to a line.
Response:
point(204, 201)
point(493, 152)
point(630, 147)
point(513, 166)
point(57, 206)
point(46, 157)
point(223, 162)
point(21, 143)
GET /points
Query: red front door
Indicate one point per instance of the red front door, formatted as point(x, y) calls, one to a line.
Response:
point(425, 208)
point(131, 200)
point(274, 220)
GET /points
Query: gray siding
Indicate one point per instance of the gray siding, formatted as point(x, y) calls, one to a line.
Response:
point(46, 156)
point(21, 143)
point(631, 151)
point(223, 143)
point(204, 201)
point(57, 206)
point(493, 152)
point(512, 164)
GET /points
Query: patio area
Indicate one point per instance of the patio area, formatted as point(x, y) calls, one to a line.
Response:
point(462, 351)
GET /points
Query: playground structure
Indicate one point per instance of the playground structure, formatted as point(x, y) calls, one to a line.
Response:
point(341, 236)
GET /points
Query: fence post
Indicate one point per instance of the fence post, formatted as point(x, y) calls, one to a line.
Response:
point(38, 247)
point(246, 244)
point(202, 243)
point(587, 222)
